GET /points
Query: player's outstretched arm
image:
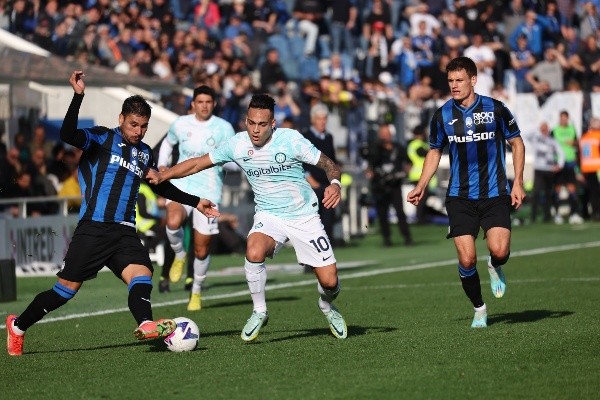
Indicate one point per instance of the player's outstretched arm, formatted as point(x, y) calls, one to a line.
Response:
point(432, 161)
point(333, 192)
point(517, 194)
point(188, 167)
point(68, 130)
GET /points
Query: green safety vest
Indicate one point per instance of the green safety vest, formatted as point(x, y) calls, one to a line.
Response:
point(143, 224)
point(562, 134)
point(416, 160)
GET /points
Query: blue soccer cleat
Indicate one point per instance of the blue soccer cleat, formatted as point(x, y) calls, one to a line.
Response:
point(497, 279)
point(480, 319)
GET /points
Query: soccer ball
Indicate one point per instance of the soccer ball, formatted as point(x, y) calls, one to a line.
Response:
point(184, 337)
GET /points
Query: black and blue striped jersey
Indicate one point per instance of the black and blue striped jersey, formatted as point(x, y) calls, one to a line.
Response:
point(111, 171)
point(110, 174)
point(476, 139)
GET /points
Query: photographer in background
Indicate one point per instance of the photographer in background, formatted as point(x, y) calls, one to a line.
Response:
point(388, 165)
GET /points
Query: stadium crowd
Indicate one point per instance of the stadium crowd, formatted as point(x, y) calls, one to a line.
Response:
point(371, 62)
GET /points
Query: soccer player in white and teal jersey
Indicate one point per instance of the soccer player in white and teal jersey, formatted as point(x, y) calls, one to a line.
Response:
point(196, 134)
point(286, 206)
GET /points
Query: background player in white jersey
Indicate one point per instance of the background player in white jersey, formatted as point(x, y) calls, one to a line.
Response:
point(286, 206)
point(196, 134)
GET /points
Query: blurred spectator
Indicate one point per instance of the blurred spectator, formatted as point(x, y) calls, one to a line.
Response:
point(484, 58)
point(423, 48)
point(342, 26)
point(589, 147)
point(471, 15)
point(453, 36)
point(522, 60)
point(317, 178)
point(388, 165)
point(566, 136)
point(285, 107)
point(590, 20)
point(20, 142)
point(532, 31)
point(404, 62)
point(494, 39)
point(307, 15)
point(546, 77)
point(551, 22)
point(208, 16)
point(587, 63)
point(271, 71)
point(70, 186)
point(377, 56)
point(549, 159)
point(23, 187)
point(38, 141)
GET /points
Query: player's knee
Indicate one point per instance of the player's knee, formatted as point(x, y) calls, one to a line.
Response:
point(201, 252)
point(499, 259)
point(254, 254)
point(467, 262)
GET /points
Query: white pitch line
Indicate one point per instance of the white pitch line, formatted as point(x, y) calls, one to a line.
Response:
point(374, 272)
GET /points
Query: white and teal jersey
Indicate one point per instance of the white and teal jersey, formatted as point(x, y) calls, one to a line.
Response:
point(195, 139)
point(275, 171)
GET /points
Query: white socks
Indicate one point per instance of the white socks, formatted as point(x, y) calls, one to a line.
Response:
point(256, 276)
point(200, 268)
point(176, 240)
point(327, 297)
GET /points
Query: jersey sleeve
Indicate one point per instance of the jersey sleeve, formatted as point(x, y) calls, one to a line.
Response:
point(222, 154)
point(510, 128)
point(437, 135)
point(305, 151)
point(172, 137)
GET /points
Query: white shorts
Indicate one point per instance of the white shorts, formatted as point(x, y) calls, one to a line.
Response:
point(307, 236)
point(200, 222)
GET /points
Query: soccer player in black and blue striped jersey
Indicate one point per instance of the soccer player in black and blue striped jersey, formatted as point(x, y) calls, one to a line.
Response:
point(112, 166)
point(475, 128)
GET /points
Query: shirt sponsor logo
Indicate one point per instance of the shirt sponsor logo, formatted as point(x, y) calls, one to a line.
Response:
point(485, 117)
point(474, 137)
point(273, 169)
point(115, 159)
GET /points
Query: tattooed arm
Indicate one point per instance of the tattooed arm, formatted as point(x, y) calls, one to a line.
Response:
point(330, 168)
point(333, 192)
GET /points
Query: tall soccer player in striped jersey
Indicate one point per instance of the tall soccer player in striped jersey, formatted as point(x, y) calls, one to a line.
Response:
point(476, 129)
point(111, 168)
point(286, 206)
point(196, 134)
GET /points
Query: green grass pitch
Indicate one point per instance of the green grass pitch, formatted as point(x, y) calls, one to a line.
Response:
point(408, 319)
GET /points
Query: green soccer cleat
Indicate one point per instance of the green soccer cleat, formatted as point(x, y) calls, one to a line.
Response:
point(480, 319)
point(497, 279)
point(256, 321)
point(337, 325)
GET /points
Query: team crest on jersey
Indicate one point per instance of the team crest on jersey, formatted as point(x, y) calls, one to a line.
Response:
point(280, 158)
point(189, 134)
point(134, 153)
point(250, 152)
point(469, 122)
point(143, 157)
